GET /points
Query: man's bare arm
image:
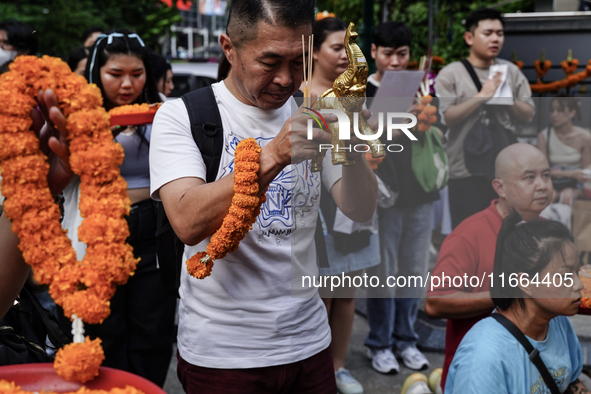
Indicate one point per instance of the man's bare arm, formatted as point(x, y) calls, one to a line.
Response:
point(577, 387)
point(459, 305)
point(13, 269)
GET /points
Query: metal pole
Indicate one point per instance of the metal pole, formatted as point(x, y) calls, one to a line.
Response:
point(366, 31)
point(430, 38)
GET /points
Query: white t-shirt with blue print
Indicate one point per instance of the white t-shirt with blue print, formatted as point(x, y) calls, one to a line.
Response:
point(491, 360)
point(250, 312)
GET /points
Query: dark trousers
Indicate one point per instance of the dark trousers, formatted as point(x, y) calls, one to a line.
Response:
point(138, 334)
point(468, 196)
point(314, 375)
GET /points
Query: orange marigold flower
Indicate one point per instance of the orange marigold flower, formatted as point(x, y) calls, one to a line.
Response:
point(134, 109)
point(245, 166)
point(245, 201)
point(79, 362)
point(26, 144)
point(246, 189)
point(14, 124)
point(103, 230)
point(16, 103)
point(198, 269)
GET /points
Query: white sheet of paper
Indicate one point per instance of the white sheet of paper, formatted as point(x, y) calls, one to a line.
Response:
point(400, 88)
point(503, 95)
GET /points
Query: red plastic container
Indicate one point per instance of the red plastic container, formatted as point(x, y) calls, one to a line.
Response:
point(132, 119)
point(584, 311)
point(37, 377)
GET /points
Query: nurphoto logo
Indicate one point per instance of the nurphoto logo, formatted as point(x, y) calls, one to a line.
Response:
point(393, 120)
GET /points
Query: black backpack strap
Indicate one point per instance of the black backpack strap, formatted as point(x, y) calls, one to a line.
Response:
point(472, 73)
point(206, 127)
point(207, 131)
point(57, 335)
point(534, 354)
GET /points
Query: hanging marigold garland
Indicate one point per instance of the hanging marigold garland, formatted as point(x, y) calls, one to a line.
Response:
point(570, 81)
point(83, 289)
point(245, 207)
point(426, 116)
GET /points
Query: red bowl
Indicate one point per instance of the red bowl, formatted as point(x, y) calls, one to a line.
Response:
point(132, 119)
point(584, 311)
point(37, 377)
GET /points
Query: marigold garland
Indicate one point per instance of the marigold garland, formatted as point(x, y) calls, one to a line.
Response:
point(11, 388)
point(81, 288)
point(570, 81)
point(245, 207)
point(426, 116)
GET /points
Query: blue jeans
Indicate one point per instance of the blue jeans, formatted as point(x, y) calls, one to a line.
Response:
point(405, 237)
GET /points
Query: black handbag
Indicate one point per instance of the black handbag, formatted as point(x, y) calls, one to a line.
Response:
point(486, 138)
point(23, 331)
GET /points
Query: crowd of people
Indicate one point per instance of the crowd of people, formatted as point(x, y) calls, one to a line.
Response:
point(243, 329)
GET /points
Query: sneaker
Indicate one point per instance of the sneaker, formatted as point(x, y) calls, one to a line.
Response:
point(413, 359)
point(347, 383)
point(383, 361)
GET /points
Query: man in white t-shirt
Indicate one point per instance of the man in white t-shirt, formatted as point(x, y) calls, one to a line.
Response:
point(241, 330)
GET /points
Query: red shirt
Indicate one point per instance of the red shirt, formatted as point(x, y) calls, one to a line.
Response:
point(469, 249)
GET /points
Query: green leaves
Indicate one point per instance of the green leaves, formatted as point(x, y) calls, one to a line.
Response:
point(60, 23)
point(448, 31)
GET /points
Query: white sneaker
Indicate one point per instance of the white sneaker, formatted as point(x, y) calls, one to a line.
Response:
point(383, 361)
point(347, 383)
point(413, 358)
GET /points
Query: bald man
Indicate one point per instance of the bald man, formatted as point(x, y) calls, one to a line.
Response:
point(522, 182)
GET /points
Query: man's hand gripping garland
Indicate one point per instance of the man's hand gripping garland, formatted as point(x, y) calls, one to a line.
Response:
point(82, 288)
point(246, 206)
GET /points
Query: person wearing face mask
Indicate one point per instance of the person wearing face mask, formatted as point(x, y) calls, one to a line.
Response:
point(462, 103)
point(16, 38)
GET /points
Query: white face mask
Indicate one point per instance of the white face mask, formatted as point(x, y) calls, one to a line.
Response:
point(6, 55)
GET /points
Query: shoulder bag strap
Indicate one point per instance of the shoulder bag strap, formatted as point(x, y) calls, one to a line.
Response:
point(206, 127)
point(548, 146)
point(534, 354)
point(57, 335)
point(472, 73)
